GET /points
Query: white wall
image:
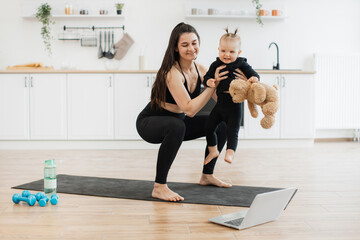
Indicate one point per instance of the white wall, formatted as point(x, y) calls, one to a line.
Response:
point(310, 26)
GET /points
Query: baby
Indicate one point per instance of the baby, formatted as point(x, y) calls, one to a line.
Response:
point(225, 109)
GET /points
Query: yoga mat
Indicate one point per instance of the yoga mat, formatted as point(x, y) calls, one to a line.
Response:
point(240, 196)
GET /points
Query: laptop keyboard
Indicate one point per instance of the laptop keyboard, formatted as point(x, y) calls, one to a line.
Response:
point(235, 222)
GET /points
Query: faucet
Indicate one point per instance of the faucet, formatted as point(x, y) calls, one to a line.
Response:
point(277, 67)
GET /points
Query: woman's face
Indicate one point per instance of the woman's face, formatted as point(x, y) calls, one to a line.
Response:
point(188, 46)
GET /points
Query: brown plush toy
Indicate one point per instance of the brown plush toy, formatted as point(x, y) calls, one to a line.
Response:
point(260, 94)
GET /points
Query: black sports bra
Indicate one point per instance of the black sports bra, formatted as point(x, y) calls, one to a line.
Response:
point(169, 98)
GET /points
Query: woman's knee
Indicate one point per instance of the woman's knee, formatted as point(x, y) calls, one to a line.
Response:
point(175, 128)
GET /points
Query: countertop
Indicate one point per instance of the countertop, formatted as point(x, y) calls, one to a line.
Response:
point(261, 71)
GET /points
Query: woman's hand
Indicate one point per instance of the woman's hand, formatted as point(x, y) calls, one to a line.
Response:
point(240, 75)
point(220, 75)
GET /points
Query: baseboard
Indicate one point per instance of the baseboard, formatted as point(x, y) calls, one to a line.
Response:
point(139, 144)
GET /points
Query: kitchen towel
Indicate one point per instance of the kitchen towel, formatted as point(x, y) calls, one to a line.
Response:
point(240, 196)
point(122, 46)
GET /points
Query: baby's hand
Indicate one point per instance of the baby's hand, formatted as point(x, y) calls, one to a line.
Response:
point(253, 79)
point(211, 82)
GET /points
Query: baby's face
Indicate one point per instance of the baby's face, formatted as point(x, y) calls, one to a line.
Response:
point(229, 50)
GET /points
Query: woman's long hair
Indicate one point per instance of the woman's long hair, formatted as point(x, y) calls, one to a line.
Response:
point(158, 91)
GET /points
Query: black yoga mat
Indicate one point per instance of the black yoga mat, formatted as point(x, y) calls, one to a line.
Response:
point(240, 196)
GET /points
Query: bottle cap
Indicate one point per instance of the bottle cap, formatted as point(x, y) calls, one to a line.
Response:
point(50, 162)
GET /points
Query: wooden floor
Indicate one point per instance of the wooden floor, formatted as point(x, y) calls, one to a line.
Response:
point(327, 206)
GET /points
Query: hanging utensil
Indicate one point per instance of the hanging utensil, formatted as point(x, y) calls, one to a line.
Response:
point(104, 52)
point(108, 54)
point(112, 48)
point(100, 52)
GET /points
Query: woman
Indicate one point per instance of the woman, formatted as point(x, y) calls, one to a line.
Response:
point(170, 118)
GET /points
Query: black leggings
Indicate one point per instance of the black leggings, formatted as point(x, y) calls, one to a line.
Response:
point(171, 129)
point(229, 112)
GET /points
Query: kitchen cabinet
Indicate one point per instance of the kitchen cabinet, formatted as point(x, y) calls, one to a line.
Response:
point(14, 106)
point(48, 106)
point(132, 93)
point(90, 106)
point(33, 106)
point(295, 117)
point(252, 125)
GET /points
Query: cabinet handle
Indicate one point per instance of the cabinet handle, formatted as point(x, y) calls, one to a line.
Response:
point(147, 81)
point(278, 80)
point(283, 81)
point(26, 82)
point(110, 80)
point(31, 81)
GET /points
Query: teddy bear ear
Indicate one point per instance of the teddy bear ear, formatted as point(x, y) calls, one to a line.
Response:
point(276, 87)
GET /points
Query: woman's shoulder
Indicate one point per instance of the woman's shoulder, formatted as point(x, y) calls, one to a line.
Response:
point(202, 69)
point(174, 74)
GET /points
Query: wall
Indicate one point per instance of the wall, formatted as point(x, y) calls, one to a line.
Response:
point(319, 26)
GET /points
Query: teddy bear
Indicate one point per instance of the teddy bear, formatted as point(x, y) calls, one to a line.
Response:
point(260, 94)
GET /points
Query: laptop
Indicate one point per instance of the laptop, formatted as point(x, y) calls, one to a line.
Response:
point(266, 207)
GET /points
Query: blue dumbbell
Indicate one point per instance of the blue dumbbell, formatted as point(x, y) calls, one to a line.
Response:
point(31, 200)
point(54, 199)
point(43, 201)
point(38, 196)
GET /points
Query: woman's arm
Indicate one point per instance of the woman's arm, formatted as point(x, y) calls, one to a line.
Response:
point(177, 89)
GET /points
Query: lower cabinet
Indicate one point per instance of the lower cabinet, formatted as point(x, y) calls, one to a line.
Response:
point(295, 117)
point(132, 93)
point(96, 106)
point(90, 106)
point(32, 106)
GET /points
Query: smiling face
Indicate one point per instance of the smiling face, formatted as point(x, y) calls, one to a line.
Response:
point(188, 46)
point(229, 50)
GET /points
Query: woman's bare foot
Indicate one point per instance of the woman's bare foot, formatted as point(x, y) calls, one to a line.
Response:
point(210, 179)
point(213, 153)
point(162, 192)
point(229, 155)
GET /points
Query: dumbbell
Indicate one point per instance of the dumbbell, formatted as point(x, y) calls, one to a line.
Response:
point(54, 199)
point(38, 196)
point(43, 201)
point(31, 200)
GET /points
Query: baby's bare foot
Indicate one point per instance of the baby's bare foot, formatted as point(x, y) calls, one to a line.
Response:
point(161, 191)
point(210, 179)
point(213, 153)
point(229, 156)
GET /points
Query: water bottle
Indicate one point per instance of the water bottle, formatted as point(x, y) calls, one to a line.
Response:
point(50, 177)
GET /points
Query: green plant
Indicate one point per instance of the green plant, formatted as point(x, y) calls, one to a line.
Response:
point(119, 6)
point(43, 14)
point(258, 6)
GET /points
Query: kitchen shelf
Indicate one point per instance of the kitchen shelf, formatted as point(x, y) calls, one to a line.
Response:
point(233, 17)
point(78, 16)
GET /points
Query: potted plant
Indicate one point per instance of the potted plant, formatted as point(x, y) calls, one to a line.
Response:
point(119, 7)
point(43, 14)
point(258, 6)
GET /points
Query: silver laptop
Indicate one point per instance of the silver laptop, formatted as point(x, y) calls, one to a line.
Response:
point(266, 207)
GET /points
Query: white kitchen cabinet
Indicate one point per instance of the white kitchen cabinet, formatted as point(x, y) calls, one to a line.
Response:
point(32, 106)
point(295, 117)
point(90, 106)
point(48, 106)
point(297, 106)
point(14, 106)
point(252, 125)
point(132, 93)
